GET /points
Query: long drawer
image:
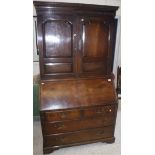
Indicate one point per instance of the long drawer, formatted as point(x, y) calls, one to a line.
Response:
point(50, 116)
point(68, 126)
point(77, 137)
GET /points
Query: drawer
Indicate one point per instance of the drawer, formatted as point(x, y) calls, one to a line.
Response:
point(69, 126)
point(50, 68)
point(76, 114)
point(80, 136)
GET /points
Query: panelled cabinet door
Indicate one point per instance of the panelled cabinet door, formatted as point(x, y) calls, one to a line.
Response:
point(96, 45)
point(56, 40)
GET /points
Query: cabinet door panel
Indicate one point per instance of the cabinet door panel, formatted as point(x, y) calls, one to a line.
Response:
point(57, 54)
point(95, 39)
point(58, 38)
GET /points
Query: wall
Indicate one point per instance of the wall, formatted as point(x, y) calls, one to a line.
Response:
point(117, 59)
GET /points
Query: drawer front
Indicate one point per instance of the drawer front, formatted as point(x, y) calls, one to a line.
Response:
point(77, 137)
point(62, 115)
point(78, 114)
point(50, 68)
point(68, 126)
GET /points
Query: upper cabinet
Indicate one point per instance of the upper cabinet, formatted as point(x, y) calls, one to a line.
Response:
point(56, 46)
point(75, 40)
point(96, 45)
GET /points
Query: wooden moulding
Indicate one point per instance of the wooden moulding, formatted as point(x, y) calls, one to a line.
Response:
point(51, 149)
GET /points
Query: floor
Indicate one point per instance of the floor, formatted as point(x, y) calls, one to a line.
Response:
point(89, 149)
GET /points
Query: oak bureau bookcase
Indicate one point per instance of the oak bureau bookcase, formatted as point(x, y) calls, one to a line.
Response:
point(78, 101)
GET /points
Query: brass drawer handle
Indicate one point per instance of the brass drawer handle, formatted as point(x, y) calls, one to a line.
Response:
point(100, 133)
point(62, 139)
point(59, 139)
point(99, 111)
point(63, 115)
point(109, 110)
point(59, 125)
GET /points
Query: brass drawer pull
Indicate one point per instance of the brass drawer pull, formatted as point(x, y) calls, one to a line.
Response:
point(109, 110)
point(59, 125)
point(99, 111)
point(100, 133)
point(63, 115)
point(59, 139)
point(62, 139)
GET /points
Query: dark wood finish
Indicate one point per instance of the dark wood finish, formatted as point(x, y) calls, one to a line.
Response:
point(83, 92)
point(78, 136)
point(70, 126)
point(97, 46)
point(78, 113)
point(47, 8)
point(58, 38)
point(78, 101)
point(118, 89)
point(56, 46)
point(84, 37)
point(58, 68)
point(48, 150)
